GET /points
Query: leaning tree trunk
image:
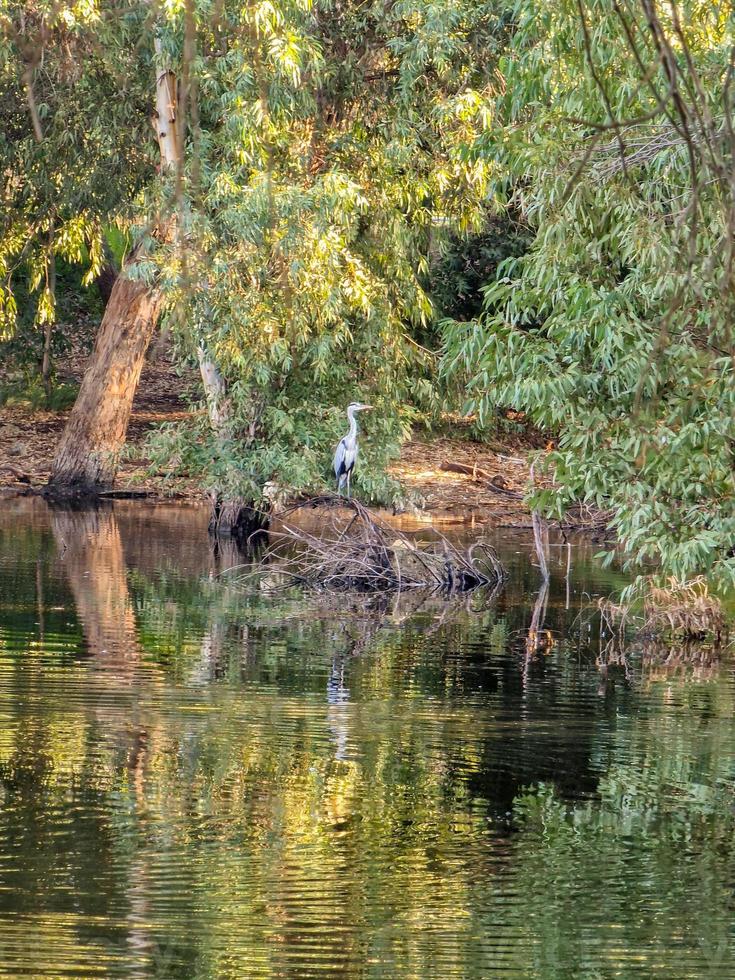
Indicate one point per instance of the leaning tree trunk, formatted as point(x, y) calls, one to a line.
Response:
point(87, 456)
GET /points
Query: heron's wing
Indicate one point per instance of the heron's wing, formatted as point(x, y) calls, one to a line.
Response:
point(344, 458)
point(350, 457)
point(339, 459)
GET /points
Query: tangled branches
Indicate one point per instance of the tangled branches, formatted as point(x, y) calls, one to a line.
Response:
point(677, 609)
point(364, 554)
point(678, 623)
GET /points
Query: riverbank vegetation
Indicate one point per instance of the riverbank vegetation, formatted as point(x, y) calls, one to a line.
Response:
point(506, 210)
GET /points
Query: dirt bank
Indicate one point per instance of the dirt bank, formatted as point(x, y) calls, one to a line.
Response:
point(488, 491)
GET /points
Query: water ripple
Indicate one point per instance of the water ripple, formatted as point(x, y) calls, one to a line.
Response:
point(197, 782)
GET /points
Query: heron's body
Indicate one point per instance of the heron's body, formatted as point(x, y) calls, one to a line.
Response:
point(345, 455)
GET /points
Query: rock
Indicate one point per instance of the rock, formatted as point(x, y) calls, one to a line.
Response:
point(9, 431)
point(17, 449)
point(399, 545)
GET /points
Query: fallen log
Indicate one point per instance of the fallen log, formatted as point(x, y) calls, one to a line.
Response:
point(15, 473)
point(495, 483)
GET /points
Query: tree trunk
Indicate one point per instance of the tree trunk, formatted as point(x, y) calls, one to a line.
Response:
point(230, 516)
point(49, 326)
point(87, 456)
point(233, 517)
point(46, 362)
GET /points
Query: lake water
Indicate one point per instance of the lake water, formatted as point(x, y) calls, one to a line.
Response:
point(203, 781)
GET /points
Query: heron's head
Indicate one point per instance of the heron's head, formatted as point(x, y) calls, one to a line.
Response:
point(358, 407)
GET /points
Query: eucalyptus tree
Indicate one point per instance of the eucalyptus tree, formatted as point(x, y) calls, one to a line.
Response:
point(73, 147)
point(319, 159)
point(325, 161)
point(614, 139)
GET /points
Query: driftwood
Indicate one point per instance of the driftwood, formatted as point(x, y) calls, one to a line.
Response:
point(495, 483)
point(15, 473)
point(579, 517)
point(361, 553)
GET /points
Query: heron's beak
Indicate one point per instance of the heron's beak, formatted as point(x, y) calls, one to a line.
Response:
point(364, 407)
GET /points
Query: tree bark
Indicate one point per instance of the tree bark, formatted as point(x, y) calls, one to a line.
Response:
point(106, 281)
point(233, 517)
point(167, 121)
point(87, 456)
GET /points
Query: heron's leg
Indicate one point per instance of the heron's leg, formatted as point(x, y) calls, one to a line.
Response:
point(349, 473)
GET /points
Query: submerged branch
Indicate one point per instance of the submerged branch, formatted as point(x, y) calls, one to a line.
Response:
point(361, 553)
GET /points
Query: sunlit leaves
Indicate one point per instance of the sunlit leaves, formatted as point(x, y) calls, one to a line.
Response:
point(326, 184)
point(602, 331)
point(92, 90)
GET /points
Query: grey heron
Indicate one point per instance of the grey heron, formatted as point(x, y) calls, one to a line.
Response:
point(346, 452)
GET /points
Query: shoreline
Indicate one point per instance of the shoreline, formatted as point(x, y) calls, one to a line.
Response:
point(456, 480)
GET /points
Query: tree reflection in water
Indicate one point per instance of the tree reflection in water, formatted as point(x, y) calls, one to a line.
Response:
point(202, 781)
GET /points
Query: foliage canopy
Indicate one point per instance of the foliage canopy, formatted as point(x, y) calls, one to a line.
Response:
point(327, 160)
point(614, 329)
point(343, 169)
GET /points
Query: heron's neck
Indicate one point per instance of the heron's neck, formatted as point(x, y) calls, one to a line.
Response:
point(353, 421)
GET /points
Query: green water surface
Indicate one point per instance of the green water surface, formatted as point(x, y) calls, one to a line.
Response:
point(203, 780)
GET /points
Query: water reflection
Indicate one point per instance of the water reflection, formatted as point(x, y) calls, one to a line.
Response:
point(89, 544)
point(338, 713)
point(197, 781)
